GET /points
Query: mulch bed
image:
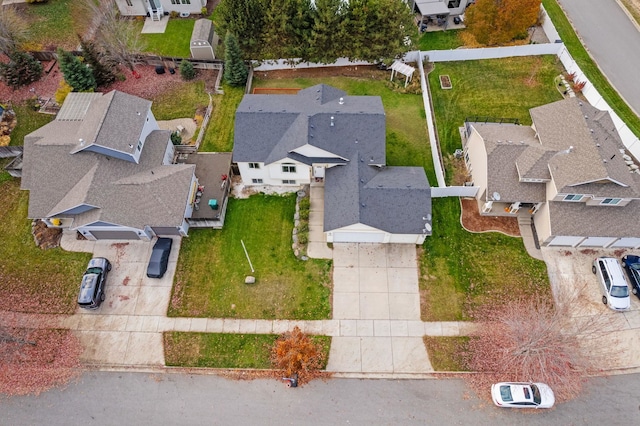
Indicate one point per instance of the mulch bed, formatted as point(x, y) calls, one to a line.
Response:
point(474, 222)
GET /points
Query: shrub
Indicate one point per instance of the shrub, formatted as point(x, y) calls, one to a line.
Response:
point(174, 14)
point(77, 74)
point(22, 69)
point(187, 72)
point(176, 138)
point(235, 70)
point(37, 1)
point(63, 90)
point(203, 11)
point(295, 353)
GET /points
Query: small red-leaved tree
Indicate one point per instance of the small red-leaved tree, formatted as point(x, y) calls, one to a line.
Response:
point(529, 339)
point(296, 353)
point(33, 360)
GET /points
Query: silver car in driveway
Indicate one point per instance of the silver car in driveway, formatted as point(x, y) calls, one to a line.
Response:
point(615, 290)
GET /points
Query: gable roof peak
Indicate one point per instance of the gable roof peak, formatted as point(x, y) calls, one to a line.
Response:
point(323, 93)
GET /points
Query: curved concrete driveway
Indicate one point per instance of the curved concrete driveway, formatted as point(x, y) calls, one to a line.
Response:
point(612, 39)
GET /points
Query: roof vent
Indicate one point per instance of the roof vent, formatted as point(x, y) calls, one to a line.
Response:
point(591, 130)
point(356, 140)
point(522, 142)
point(81, 141)
point(580, 103)
point(312, 126)
point(332, 121)
point(604, 161)
point(371, 160)
point(586, 117)
point(361, 180)
point(130, 146)
point(379, 185)
point(363, 205)
point(598, 145)
point(138, 112)
point(341, 101)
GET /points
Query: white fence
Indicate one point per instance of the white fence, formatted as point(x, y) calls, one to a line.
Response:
point(493, 52)
point(454, 191)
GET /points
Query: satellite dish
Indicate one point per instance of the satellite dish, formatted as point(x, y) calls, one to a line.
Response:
point(496, 196)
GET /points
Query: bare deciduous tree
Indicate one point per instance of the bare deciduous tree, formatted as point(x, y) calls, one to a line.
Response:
point(13, 30)
point(119, 38)
point(530, 339)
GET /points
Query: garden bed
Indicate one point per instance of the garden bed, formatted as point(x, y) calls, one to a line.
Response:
point(445, 82)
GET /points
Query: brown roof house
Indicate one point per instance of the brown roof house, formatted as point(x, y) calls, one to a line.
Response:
point(568, 170)
point(104, 168)
point(324, 137)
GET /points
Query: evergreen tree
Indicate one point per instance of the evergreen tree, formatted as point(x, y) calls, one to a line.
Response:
point(235, 70)
point(245, 19)
point(187, 72)
point(22, 69)
point(328, 42)
point(76, 74)
point(288, 25)
point(94, 58)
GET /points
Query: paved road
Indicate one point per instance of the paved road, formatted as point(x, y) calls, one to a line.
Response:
point(612, 40)
point(103, 398)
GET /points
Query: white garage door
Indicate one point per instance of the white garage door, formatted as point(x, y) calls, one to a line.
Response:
point(597, 242)
point(358, 237)
point(566, 241)
point(627, 242)
point(115, 235)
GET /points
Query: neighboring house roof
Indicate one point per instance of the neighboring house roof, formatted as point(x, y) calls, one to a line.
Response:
point(269, 127)
point(392, 199)
point(588, 149)
point(579, 219)
point(432, 7)
point(104, 188)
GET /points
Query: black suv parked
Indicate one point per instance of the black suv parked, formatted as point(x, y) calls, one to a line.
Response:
point(93, 282)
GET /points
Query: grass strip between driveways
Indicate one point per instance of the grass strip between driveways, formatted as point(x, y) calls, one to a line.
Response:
point(460, 270)
point(589, 67)
point(447, 353)
point(217, 350)
point(31, 279)
point(212, 267)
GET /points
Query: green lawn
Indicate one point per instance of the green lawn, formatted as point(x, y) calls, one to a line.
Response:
point(440, 40)
point(505, 88)
point(28, 120)
point(181, 101)
point(446, 353)
point(589, 67)
point(459, 270)
point(31, 279)
point(219, 134)
point(213, 350)
point(175, 41)
point(55, 23)
point(212, 266)
point(407, 141)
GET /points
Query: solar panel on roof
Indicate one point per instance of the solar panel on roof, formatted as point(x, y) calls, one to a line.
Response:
point(75, 106)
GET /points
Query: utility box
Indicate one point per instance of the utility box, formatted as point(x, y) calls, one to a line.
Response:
point(202, 40)
point(213, 203)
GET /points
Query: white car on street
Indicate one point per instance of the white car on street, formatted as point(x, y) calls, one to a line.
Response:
point(522, 395)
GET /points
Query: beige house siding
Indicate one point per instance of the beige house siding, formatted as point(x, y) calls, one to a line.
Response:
point(542, 222)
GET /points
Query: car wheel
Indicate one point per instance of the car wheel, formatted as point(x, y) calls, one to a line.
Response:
point(634, 290)
point(604, 299)
point(102, 297)
point(593, 268)
point(108, 267)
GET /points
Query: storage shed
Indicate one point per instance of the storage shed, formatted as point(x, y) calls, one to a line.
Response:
point(202, 40)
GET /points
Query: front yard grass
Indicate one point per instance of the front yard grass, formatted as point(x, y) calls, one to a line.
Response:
point(216, 350)
point(447, 353)
point(212, 266)
point(175, 41)
point(460, 270)
point(589, 67)
point(31, 279)
point(407, 141)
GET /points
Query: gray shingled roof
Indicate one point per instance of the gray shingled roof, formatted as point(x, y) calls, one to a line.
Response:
point(202, 31)
point(579, 219)
point(594, 156)
point(269, 127)
point(392, 199)
point(114, 121)
point(124, 193)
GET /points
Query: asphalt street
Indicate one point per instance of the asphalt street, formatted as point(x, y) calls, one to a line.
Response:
point(115, 398)
point(613, 41)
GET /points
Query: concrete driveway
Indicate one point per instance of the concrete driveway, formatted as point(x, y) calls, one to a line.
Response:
point(575, 286)
point(125, 329)
point(376, 300)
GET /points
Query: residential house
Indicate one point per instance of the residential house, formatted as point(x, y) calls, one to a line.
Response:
point(322, 136)
point(438, 8)
point(104, 168)
point(568, 170)
point(156, 8)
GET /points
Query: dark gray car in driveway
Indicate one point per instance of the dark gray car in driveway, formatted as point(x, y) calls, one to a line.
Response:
point(93, 283)
point(159, 258)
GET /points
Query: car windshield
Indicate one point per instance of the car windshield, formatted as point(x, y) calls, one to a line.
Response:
point(635, 266)
point(619, 291)
point(505, 393)
point(94, 270)
point(537, 398)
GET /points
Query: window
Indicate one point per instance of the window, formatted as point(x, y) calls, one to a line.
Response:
point(572, 197)
point(180, 1)
point(139, 145)
point(254, 165)
point(129, 3)
point(611, 201)
point(288, 182)
point(256, 180)
point(288, 168)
